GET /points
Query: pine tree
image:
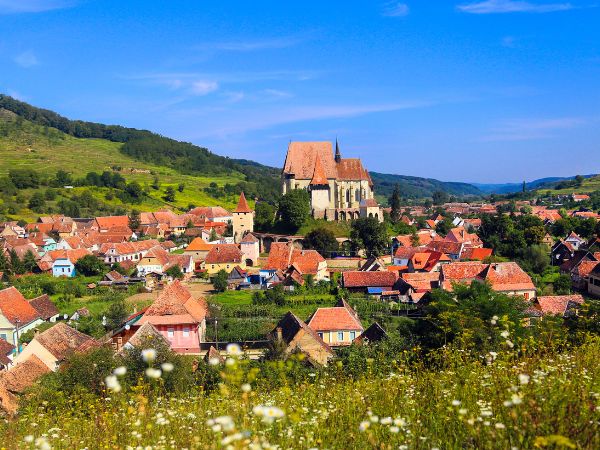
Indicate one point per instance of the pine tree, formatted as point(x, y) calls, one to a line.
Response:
point(395, 204)
point(16, 265)
point(3, 262)
point(29, 263)
point(134, 220)
point(524, 187)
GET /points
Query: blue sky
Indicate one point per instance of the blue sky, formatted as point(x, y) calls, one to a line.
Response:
point(464, 90)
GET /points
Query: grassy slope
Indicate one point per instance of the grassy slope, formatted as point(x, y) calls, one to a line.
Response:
point(48, 150)
point(467, 405)
point(589, 185)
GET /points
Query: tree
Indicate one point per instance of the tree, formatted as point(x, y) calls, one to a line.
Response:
point(24, 178)
point(181, 187)
point(220, 281)
point(264, 215)
point(37, 202)
point(535, 258)
point(4, 265)
point(16, 265)
point(370, 235)
point(169, 194)
point(443, 227)
point(579, 180)
point(135, 220)
point(395, 204)
point(294, 209)
point(63, 178)
point(524, 188)
point(597, 230)
point(322, 240)
point(562, 285)
point(440, 197)
point(213, 235)
point(134, 189)
point(155, 183)
point(89, 265)
point(175, 272)
point(116, 314)
point(29, 262)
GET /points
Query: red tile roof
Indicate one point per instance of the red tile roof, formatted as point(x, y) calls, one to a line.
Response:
point(282, 255)
point(62, 340)
point(358, 279)
point(198, 244)
point(506, 276)
point(334, 319)
point(44, 306)
point(478, 254)
point(557, 304)
point(224, 253)
point(242, 206)
point(13, 306)
point(318, 178)
point(72, 255)
point(175, 304)
point(105, 223)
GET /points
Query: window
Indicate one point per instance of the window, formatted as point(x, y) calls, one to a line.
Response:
point(526, 295)
point(3, 336)
point(320, 335)
point(186, 332)
point(352, 335)
point(340, 335)
point(170, 332)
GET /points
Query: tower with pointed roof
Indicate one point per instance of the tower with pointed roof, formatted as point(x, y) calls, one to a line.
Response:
point(243, 219)
point(319, 191)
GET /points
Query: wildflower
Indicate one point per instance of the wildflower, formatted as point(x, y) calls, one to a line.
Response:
point(364, 425)
point(462, 411)
point(234, 350)
point(386, 421)
point(28, 438)
point(505, 334)
point(507, 403)
point(167, 367)
point(400, 422)
point(394, 429)
point(455, 402)
point(153, 373)
point(120, 371)
point(494, 355)
point(148, 355)
point(509, 343)
point(42, 443)
point(374, 419)
point(523, 378)
point(229, 362)
point(112, 383)
point(516, 399)
point(214, 361)
point(246, 387)
point(493, 321)
point(500, 426)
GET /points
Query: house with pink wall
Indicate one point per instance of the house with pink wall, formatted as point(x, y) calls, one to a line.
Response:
point(179, 317)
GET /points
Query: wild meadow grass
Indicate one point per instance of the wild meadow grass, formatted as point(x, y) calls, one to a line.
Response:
point(505, 401)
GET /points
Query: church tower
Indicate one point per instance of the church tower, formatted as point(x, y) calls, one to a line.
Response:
point(319, 191)
point(243, 219)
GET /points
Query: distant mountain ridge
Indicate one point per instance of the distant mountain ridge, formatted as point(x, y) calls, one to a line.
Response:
point(509, 188)
point(417, 187)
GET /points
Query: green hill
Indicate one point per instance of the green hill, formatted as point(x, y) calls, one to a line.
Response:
point(587, 185)
point(45, 143)
point(416, 187)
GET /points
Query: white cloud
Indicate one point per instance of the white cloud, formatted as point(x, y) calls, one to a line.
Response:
point(510, 6)
point(532, 129)
point(203, 87)
point(33, 6)
point(27, 59)
point(250, 45)
point(396, 10)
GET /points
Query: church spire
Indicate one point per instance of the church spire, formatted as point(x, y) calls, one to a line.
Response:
point(338, 155)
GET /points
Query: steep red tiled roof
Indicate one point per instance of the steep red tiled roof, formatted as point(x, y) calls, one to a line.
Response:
point(224, 253)
point(352, 169)
point(249, 238)
point(407, 252)
point(334, 319)
point(354, 279)
point(5, 350)
point(175, 304)
point(301, 157)
point(62, 340)
point(44, 306)
point(72, 255)
point(198, 244)
point(445, 246)
point(478, 254)
point(422, 281)
point(210, 211)
point(242, 206)
point(105, 223)
point(161, 255)
point(282, 255)
point(506, 276)
point(557, 304)
point(318, 178)
point(13, 306)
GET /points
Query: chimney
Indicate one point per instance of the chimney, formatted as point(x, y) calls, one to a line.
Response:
point(279, 332)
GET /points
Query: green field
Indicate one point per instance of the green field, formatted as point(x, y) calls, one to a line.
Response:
point(47, 150)
point(589, 185)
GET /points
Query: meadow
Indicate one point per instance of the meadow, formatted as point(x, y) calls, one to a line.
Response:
point(526, 399)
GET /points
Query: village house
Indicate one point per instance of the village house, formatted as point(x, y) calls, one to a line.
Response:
point(55, 345)
point(105, 224)
point(212, 214)
point(179, 317)
point(476, 254)
point(555, 305)
point(374, 283)
point(337, 326)
point(296, 336)
point(126, 251)
point(198, 249)
point(594, 282)
point(6, 355)
point(283, 255)
point(17, 380)
point(63, 261)
point(427, 261)
point(561, 251)
point(223, 257)
point(157, 261)
point(414, 286)
point(17, 315)
point(580, 197)
point(575, 240)
point(579, 268)
point(505, 277)
point(339, 188)
point(45, 307)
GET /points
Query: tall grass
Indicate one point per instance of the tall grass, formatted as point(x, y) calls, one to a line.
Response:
point(506, 401)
